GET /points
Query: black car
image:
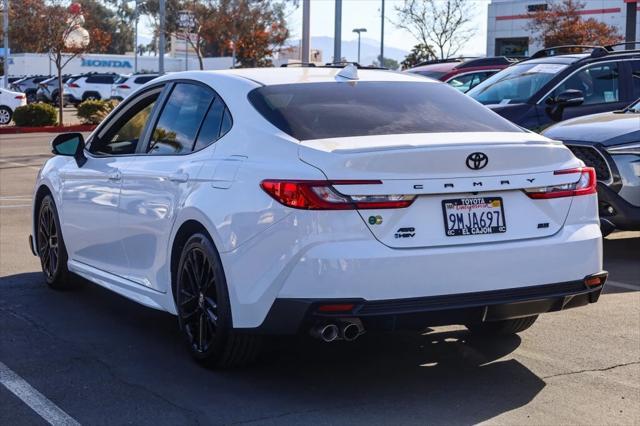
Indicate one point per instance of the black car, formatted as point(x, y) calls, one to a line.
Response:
point(549, 87)
point(610, 143)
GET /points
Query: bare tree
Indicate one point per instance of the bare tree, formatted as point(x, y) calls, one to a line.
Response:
point(443, 24)
point(66, 39)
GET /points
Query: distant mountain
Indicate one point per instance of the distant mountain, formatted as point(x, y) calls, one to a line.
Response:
point(369, 49)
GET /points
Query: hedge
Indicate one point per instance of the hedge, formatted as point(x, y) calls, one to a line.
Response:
point(94, 111)
point(35, 115)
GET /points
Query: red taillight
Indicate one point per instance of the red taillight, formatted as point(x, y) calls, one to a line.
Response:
point(321, 195)
point(20, 97)
point(124, 86)
point(585, 185)
point(73, 85)
point(336, 307)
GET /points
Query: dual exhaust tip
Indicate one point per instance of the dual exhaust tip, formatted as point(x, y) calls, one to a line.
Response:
point(345, 330)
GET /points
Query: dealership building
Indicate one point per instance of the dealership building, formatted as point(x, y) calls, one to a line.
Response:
point(507, 32)
point(40, 64)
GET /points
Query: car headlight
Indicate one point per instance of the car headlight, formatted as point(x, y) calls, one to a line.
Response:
point(630, 148)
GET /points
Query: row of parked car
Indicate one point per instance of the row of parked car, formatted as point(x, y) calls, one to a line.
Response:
point(76, 89)
point(79, 87)
point(586, 96)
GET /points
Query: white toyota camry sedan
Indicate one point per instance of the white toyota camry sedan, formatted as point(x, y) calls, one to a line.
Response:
point(318, 200)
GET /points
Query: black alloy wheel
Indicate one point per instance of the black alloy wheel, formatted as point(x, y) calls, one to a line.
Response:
point(204, 310)
point(50, 247)
point(48, 242)
point(197, 300)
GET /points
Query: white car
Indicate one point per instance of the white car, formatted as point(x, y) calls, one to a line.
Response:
point(9, 101)
point(127, 84)
point(93, 86)
point(322, 200)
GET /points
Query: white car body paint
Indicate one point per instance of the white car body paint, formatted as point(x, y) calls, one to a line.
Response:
point(119, 233)
point(11, 100)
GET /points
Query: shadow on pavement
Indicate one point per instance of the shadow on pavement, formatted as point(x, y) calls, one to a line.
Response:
point(104, 359)
point(622, 260)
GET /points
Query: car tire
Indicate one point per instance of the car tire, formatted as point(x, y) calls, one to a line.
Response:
point(504, 327)
point(51, 248)
point(5, 115)
point(204, 310)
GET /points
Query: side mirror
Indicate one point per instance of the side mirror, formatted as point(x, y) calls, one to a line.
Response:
point(555, 106)
point(569, 97)
point(70, 145)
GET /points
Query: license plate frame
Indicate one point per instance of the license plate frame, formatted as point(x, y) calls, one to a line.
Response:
point(467, 209)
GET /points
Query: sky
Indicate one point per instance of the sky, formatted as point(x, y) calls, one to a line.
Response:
point(366, 14)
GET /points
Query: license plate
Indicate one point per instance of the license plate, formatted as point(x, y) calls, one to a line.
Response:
point(473, 216)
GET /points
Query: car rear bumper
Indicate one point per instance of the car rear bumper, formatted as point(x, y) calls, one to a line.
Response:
point(290, 316)
point(625, 215)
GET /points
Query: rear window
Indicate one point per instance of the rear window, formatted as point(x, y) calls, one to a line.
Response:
point(333, 110)
point(433, 74)
point(144, 79)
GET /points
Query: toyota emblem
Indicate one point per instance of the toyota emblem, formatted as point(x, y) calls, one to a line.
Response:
point(477, 160)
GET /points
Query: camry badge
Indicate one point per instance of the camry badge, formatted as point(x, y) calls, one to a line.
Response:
point(477, 160)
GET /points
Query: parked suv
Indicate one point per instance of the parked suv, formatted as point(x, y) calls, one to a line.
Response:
point(29, 86)
point(551, 87)
point(48, 89)
point(610, 143)
point(463, 74)
point(127, 84)
point(89, 86)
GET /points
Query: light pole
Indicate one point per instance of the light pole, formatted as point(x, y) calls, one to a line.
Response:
point(161, 38)
point(359, 30)
point(382, 36)
point(135, 36)
point(5, 35)
point(337, 33)
point(305, 56)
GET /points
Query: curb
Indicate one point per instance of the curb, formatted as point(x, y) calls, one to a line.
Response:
point(10, 130)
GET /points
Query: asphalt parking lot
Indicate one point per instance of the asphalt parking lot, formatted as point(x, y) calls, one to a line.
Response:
point(96, 358)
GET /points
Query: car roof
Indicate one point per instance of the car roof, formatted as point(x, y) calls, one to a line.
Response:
point(293, 75)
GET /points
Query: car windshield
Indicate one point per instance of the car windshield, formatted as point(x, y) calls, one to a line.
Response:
point(516, 84)
point(635, 108)
point(121, 79)
point(334, 110)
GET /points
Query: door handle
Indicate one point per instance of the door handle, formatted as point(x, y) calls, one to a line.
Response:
point(179, 177)
point(115, 176)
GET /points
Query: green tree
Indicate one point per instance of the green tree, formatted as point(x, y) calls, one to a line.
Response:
point(419, 53)
point(389, 63)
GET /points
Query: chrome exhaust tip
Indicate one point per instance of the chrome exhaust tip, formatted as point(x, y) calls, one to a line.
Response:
point(351, 331)
point(327, 332)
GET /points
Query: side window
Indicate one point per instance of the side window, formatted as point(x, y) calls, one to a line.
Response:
point(100, 79)
point(181, 117)
point(635, 76)
point(598, 83)
point(122, 136)
point(145, 79)
point(211, 125)
point(226, 123)
point(463, 82)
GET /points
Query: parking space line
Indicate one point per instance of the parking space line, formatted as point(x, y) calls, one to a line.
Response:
point(15, 206)
point(49, 411)
point(20, 165)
